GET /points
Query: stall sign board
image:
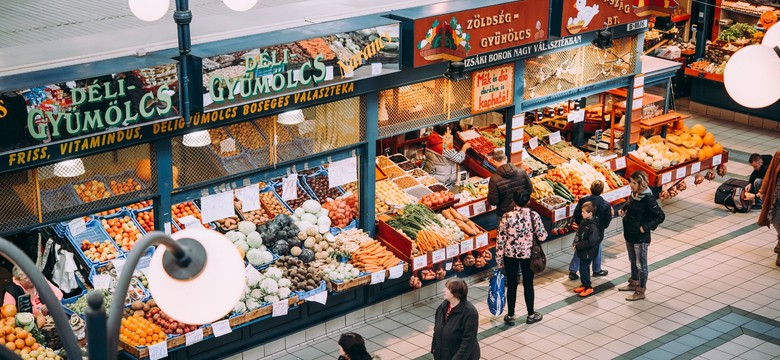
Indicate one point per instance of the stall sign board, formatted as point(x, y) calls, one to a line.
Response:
point(455, 36)
point(492, 88)
point(582, 16)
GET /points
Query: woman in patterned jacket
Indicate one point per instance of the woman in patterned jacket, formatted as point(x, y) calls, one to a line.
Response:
point(515, 237)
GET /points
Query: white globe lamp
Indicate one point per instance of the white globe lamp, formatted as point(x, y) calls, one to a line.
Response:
point(751, 76)
point(240, 5)
point(772, 37)
point(149, 10)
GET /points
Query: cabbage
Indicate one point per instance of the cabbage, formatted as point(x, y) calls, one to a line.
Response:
point(284, 292)
point(246, 227)
point(269, 286)
point(235, 236)
point(311, 207)
point(254, 240)
point(309, 218)
point(253, 278)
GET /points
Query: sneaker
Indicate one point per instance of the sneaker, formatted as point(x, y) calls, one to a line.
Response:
point(579, 289)
point(573, 275)
point(600, 273)
point(509, 320)
point(535, 317)
point(587, 291)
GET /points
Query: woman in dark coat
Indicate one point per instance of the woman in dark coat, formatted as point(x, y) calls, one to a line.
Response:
point(641, 215)
point(456, 325)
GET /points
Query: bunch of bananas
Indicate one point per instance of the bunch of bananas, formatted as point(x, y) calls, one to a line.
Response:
point(542, 189)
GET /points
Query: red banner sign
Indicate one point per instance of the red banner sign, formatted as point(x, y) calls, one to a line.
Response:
point(581, 16)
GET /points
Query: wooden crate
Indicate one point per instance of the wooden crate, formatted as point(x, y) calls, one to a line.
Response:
point(346, 285)
point(670, 174)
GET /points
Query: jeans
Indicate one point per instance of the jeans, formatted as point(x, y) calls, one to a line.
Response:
point(574, 265)
point(755, 186)
point(510, 268)
point(637, 256)
point(584, 273)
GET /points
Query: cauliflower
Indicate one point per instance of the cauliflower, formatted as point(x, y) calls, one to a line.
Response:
point(268, 256)
point(255, 257)
point(253, 279)
point(256, 294)
point(254, 240)
point(239, 308)
point(253, 304)
point(284, 292)
point(269, 286)
point(285, 282)
point(273, 273)
point(235, 236)
point(246, 227)
point(242, 244)
point(271, 298)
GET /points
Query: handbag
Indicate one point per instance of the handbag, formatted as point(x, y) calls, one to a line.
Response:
point(538, 258)
point(497, 293)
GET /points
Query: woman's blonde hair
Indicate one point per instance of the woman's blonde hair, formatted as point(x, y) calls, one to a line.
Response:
point(640, 178)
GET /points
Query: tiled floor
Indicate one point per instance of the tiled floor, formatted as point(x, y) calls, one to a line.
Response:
point(713, 292)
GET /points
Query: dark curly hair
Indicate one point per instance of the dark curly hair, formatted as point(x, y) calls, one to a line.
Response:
point(354, 346)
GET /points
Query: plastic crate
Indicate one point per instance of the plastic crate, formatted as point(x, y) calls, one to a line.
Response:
point(98, 178)
point(278, 189)
point(94, 232)
point(260, 158)
point(59, 198)
point(303, 295)
point(271, 189)
point(264, 266)
point(124, 176)
point(129, 214)
point(304, 181)
point(175, 222)
point(136, 212)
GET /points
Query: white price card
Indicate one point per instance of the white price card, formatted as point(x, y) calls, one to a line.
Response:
point(636, 104)
point(716, 160)
point(217, 207)
point(328, 73)
point(320, 297)
point(517, 134)
point(680, 173)
point(695, 168)
point(466, 246)
point(533, 143)
point(453, 251)
point(101, 281)
point(439, 255)
point(376, 68)
point(518, 121)
point(517, 146)
point(420, 262)
point(526, 154)
point(167, 227)
point(465, 211)
point(77, 226)
point(578, 116)
point(227, 145)
point(560, 213)
point(280, 308)
point(448, 265)
point(342, 172)
point(396, 271)
point(119, 264)
point(667, 177)
point(555, 138)
point(480, 207)
point(290, 187)
point(249, 196)
point(158, 351)
point(378, 277)
point(221, 328)
point(189, 220)
point(193, 337)
point(572, 208)
point(620, 163)
point(482, 240)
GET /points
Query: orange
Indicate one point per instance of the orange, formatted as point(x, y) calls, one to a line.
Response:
point(19, 343)
point(697, 139)
point(699, 129)
point(21, 333)
point(8, 310)
point(10, 338)
point(10, 345)
point(717, 148)
point(35, 346)
point(709, 139)
point(29, 341)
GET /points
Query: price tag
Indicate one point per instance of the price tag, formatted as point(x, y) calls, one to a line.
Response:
point(216, 207)
point(518, 121)
point(560, 213)
point(420, 262)
point(533, 143)
point(377, 277)
point(342, 172)
point(466, 246)
point(189, 220)
point(250, 197)
point(439, 255)
point(77, 226)
point(480, 207)
point(465, 211)
point(636, 104)
point(695, 168)
point(620, 163)
point(376, 68)
point(680, 173)
point(221, 328)
point(101, 281)
point(579, 116)
point(280, 308)
point(453, 251)
point(482, 240)
point(328, 73)
point(572, 208)
point(555, 138)
point(227, 145)
point(167, 227)
point(716, 160)
point(517, 146)
point(290, 187)
point(526, 154)
point(158, 351)
point(448, 265)
point(193, 337)
point(396, 271)
point(517, 134)
point(119, 264)
point(320, 297)
point(665, 178)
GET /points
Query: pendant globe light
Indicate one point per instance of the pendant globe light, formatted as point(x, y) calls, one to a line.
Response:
point(196, 139)
point(240, 5)
point(293, 117)
point(751, 76)
point(69, 168)
point(149, 10)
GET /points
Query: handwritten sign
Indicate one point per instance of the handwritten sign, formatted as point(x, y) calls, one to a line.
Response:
point(193, 337)
point(221, 328)
point(189, 220)
point(517, 146)
point(555, 138)
point(439, 255)
point(620, 163)
point(518, 121)
point(342, 172)
point(290, 187)
point(482, 240)
point(667, 177)
point(492, 88)
point(250, 197)
point(480, 207)
point(695, 168)
point(716, 160)
point(320, 297)
point(533, 143)
point(280, 308)
point(680, 173)
point(77, 226)
point(158, 350)
point(466, 246)
point(396, 271)
point(217, 207)
point(377, 277)
point(453, 251)
point(420, 262)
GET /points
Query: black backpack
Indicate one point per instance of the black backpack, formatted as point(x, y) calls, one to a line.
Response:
point(732, 195)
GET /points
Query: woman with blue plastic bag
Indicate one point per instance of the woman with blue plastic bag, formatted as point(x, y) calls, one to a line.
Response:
point(516, 233)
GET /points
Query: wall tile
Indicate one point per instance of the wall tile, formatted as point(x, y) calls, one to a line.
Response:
point(315, 331)
point(713, 111)
point(755, 121)
point(355, 317)
point(741, 118)
point(335, 325)
point(295, 339)
point(727, 115)
point(254, 353)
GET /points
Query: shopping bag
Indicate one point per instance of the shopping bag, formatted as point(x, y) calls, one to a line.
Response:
point(497, 293)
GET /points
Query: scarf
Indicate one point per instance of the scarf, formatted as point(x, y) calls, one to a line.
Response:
point(640, 196)
point(767, 190)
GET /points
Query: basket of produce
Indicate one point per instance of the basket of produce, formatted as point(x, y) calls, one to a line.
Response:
point(553, 202)
point(537, 167)
point(538, 131)
point(258, 216)
point(407, 166)
point(124, 183)
point(123, 228)
point(144, 218)
point(383, 162)
point(567, 151)
point(371, 256)
point(390, 193)
point(494, 135)
point(147, 316)
point(92, 190)
point(187, 208)
point(418, 191)
point(547, 156)
point(418, 173)
point(317, 186)
point(439, 200)
point(343, 276)
point(419, 231)
point(303, 295)
point(250, 244)
point(481, 145)
point(394, 171)
point(398, 158)
point(222, 144)
point(437, 187)
point(405, 182)
point(93, 245)
point(301, 195)
point(342, 211)
point(136, 292)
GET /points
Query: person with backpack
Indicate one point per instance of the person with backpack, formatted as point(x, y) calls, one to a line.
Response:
point(603, 211)
point(641, 215)
point(507, 181)
point(21, 285)
point(586, 245)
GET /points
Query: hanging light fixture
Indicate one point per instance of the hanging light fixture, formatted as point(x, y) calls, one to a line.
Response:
point(603, 39)
point(240, 5)
point(293, 117)
point(149, 10)
point(69, 168)
point(752, 73)
point(197, 139)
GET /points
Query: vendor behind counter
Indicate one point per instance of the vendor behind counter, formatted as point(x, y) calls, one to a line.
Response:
point(442, 160)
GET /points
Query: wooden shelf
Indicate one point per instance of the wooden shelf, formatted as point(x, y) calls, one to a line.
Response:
point(704, 75)
point(660, 120)
point(647, 99)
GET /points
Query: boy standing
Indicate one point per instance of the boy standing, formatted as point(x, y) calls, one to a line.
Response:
point(586, 245)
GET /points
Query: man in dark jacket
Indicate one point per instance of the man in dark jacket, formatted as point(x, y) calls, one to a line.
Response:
point(507, 180)
point(604, 214)
point(760, 164)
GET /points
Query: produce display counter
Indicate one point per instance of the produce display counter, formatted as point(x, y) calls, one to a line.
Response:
point(677, 172)
point(704, 75)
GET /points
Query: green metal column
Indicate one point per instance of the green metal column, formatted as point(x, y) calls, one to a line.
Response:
point(517, 109)
point(164, 166)
point(368, 164)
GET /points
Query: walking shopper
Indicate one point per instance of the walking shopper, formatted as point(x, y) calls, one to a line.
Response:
point(770, 193)
point(641, 215)
point(507, 180)
point(604, 213)
point(586, 244)
point(760, 164)
point(516, 234)
point(456, 325)
point(353, 347)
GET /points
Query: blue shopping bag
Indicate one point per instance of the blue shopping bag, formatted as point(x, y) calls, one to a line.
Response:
point(497, 293)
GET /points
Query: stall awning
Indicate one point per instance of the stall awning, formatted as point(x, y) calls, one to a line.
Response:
point(657, 69)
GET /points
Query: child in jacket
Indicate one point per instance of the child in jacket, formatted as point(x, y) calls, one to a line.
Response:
point(586, 245)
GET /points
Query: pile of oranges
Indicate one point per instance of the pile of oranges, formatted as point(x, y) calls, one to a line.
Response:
point(138, 331)
point(17, 339)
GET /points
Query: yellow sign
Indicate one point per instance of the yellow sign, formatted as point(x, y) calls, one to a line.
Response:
point(492, 88)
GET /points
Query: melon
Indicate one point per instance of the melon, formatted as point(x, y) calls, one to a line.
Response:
point(709, 139)
point(143, 170)
point(717, 148)
point(699, 129)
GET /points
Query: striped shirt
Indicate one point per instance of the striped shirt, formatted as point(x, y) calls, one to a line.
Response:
point(454, 155)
